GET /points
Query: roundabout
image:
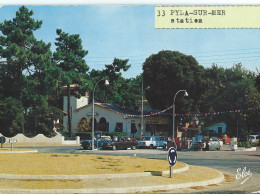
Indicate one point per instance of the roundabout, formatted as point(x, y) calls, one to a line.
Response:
point(81, 173)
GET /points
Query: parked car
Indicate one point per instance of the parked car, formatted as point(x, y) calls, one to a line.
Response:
point(148, 142)
point(162, 141)
point(120, 143)
point(254, 138)
point(87, 144)
point(213, 144)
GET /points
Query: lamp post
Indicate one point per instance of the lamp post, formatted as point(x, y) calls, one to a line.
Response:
point(93, 109)
point(142, 109)
point(173, 110)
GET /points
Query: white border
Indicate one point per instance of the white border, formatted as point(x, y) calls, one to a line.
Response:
point(129, 2)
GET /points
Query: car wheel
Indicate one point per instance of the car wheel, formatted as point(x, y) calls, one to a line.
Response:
point(133, 147)
point(85, 148)
point(164, 146)
point(114, 147)
point(154, 147)
point(151, 146)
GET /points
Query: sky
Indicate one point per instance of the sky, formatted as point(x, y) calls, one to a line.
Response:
point(128, 32)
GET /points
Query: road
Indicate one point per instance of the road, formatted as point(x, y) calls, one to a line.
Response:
point(226, 161)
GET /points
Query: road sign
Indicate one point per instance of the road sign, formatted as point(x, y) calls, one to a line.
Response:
point(12, 140)
point(98, 135)
point(172, 156)
point(2, 141)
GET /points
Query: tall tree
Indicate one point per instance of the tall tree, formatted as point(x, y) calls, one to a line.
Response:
point(166, 73)
point(121, 91)
point(26, 62)
point(69, 57)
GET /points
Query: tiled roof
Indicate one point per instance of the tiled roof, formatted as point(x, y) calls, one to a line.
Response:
point(118, 109)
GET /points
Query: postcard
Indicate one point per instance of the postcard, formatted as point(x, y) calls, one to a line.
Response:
point(128, 97)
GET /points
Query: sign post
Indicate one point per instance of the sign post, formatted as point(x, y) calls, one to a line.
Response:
point(98, 135)
point(172, 158)
point(12, 141)
point(2, 140)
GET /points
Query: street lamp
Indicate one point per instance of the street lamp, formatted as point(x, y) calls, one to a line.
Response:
point(173, 110)
point(93, 109)
point(142, 111)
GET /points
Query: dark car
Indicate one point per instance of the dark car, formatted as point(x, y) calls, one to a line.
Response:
point(121, 143)
point(87, 144)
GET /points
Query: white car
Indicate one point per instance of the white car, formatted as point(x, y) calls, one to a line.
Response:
point(147, 142)
point(213, 144)
point(254, 138)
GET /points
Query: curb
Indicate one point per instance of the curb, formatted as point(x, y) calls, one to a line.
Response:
point(217, 180)
point(93, 176)
point(243, 149)
point(18, 152)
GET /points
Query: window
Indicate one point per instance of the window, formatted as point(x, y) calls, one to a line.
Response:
point(103, 125)
point(119, 127)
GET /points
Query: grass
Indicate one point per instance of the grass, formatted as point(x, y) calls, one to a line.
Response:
point(194, 174)
point(81, 164)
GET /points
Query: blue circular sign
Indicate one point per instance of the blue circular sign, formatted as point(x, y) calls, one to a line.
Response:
point(172, 156)
point(98, 135)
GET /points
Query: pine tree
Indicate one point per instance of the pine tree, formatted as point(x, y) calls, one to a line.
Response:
point(69, 57)
point(26, 70)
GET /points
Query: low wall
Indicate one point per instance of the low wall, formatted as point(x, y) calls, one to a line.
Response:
point(40, 138)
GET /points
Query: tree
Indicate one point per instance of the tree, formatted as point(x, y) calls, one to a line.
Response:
point(257, 82)
point(69, 57)
point(11, 116)
point(231, 89)
point(117, 84)
point(166, 73)
point(26, 72)
point(84, 125)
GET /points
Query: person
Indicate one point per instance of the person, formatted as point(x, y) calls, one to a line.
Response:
point(171, 143)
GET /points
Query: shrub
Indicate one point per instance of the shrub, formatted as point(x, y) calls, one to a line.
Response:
point(245, 144)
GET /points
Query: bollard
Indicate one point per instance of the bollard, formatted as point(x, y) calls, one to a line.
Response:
point(170, 171)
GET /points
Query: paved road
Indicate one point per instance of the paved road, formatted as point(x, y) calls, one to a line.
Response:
point(225, 161)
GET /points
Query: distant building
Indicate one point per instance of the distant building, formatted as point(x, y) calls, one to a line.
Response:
point(218, 128)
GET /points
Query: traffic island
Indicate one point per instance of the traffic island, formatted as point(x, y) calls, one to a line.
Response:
point(112, 174)
point(192, 178)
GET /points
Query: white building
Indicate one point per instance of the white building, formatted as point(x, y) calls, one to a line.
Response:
point(112, 118)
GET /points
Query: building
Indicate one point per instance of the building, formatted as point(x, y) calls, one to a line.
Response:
point(218, 128)
point(113, 118)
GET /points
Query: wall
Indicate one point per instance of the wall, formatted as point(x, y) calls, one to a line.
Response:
point(40, 138)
